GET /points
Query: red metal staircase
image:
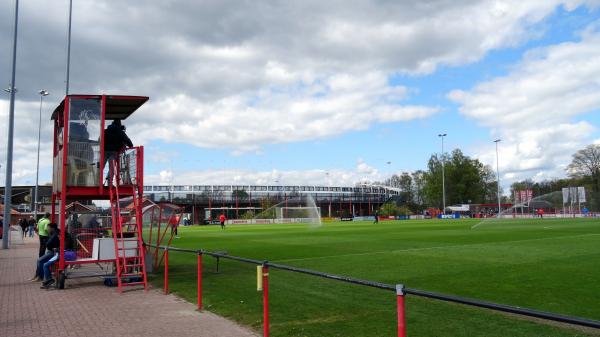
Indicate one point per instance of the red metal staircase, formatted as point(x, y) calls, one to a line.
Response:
point(127, 229)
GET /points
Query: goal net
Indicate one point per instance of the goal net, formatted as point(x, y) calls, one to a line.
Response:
point(298, 214)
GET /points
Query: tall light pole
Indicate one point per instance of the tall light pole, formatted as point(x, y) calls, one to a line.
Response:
point(390, 172)
point(498, 173)
point(9, 147)
point(69, 48)
point(37, 170)
point(442, 135)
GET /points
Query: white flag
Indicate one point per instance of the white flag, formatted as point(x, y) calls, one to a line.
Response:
point(573, 195)
point(581, 192)
point(565, 193)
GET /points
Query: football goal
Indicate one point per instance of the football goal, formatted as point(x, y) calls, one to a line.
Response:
point(298, 214)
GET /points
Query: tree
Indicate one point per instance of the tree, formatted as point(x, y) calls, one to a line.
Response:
point(240, 194)
point(585, 166)
point(392, 181)
point(467, 180)
point(418, 178)
point(389, 209)
point(405, 183)
point(248, 215)
point(586, 162)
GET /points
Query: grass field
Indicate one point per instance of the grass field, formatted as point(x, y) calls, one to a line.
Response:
point(549, 264)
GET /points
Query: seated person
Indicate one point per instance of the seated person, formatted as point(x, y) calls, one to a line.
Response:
point(53, 241)
point(53, 246)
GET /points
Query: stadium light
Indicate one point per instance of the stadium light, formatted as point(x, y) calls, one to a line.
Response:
point(9, 144)
point(390, 172)
point(442, 135)
point(68, 49)
point(498, 173)
point(37, 170)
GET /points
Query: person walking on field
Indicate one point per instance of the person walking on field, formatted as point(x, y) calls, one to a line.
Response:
point(376, 217)
point(222, 219)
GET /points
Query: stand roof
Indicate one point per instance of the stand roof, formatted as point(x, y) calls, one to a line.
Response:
point(117, 107)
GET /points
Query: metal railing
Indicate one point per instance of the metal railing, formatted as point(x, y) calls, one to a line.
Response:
point(400, 290)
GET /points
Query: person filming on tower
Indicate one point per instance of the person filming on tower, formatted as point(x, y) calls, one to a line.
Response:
point(115, 139)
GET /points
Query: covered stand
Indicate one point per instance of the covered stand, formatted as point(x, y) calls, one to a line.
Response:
point(82, 172)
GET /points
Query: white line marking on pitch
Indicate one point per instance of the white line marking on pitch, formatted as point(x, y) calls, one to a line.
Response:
point(435, 247)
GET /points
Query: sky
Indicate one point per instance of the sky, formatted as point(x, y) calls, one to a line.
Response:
point(314, 92)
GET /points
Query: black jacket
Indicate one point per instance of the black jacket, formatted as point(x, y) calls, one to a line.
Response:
point(115, 138)
point(54, 241)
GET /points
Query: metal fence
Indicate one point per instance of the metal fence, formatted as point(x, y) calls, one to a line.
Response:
point(399, 289)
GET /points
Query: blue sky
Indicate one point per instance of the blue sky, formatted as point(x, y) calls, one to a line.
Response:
point(260, 99)
point(408, 145)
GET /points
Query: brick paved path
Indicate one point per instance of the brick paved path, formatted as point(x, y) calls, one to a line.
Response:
point(87, 309)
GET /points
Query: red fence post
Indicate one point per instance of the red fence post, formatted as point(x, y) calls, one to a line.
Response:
point(166, 283)
point(199, 280)
point(265, 299)
point(401, 312)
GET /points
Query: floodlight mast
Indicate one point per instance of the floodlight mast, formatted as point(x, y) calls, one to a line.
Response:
point(37, 170)
point(498, 174)
point(442, 135)
point(68, 49)
point(9, 147)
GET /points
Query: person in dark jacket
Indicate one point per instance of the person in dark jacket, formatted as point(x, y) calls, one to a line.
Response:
point(115, 139)
point(31, 226)
point(53, 248)
point(23, 224)
point(52, 242)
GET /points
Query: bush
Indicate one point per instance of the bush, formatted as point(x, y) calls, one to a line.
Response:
point(248, 215)
point(404, 210)
point(388, 209)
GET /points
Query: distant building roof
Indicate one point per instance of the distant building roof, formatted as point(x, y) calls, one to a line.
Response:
point(12, 211)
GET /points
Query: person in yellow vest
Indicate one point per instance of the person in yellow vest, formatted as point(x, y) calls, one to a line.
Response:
point(42, 230)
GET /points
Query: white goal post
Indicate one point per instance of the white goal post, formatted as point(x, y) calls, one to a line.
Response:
point(308, 213)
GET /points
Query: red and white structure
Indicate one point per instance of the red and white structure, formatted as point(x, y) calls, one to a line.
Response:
point(78, 176)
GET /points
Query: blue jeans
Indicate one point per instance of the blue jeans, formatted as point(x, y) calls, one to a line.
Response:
point(48, 265)
point(31, 231)
point(39, 271)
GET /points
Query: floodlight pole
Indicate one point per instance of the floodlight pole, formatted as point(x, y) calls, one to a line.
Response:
point(442, 135)
point(498, 174)
point(388, 190)
point(69, 48)
point(9, 147)
point(37, 170)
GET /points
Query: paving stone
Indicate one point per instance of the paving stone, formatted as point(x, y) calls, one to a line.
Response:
point(86, 308)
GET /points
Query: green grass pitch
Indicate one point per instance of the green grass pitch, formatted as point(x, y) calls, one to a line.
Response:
point(549, 264)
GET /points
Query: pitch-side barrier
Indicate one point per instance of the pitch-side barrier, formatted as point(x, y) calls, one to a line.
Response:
point(400, 290)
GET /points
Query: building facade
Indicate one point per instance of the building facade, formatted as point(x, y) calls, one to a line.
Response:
point(202, 202)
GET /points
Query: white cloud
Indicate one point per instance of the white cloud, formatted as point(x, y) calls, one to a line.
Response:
point(244, 74)
point(305, 111)
point(338, 177)
point(538, 107)
point(166, 177)
point(26, 141)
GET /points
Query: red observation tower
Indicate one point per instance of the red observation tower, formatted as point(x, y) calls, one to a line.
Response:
point(82, 172)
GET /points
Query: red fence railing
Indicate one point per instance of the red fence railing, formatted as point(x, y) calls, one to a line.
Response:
point(400, 290)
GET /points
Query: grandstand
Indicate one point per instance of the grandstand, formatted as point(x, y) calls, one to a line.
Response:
point(201, 202)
